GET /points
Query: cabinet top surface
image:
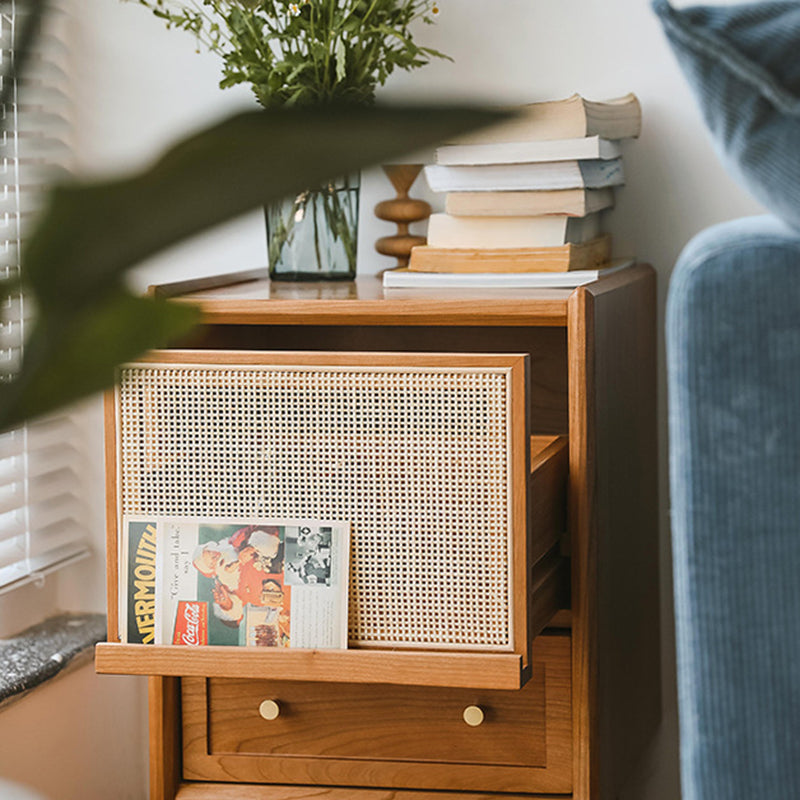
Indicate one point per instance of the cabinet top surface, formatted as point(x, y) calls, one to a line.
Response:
point(364, 302)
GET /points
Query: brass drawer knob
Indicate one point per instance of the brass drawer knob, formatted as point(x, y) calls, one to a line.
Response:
point(473, 716)
point(269, 709)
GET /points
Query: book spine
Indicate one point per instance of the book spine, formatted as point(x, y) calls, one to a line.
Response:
point(528, 152)
point(590, 255)
point(445, 230)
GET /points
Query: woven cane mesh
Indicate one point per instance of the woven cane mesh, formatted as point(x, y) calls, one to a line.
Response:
point(417, 460)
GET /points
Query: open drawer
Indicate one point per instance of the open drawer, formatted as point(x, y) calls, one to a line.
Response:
point(456, 511)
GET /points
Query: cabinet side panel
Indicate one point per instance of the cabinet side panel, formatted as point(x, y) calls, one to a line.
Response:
point(629, 684)
point(165, 737)
point(583, 543)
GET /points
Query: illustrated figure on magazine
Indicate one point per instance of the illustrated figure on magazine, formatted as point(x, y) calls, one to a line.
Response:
point(240, 579)
point(206, 557)
point(238, 566)
point(274, 595)
point(228, 603)
point(315, 569)
point(262, 545)
point(308, 559)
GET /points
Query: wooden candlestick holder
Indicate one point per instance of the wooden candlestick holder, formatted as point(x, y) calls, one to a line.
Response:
point(402, 210)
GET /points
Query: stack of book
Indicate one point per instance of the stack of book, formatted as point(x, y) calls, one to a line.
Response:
point(524, 201)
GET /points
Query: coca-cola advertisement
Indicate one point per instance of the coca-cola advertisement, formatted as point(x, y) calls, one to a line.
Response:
point(254, 583)
point(191, 623)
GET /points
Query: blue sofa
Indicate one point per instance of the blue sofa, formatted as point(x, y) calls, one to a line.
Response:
point(733, 355)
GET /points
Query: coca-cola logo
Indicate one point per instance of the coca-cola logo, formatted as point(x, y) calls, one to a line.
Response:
point(191, 623)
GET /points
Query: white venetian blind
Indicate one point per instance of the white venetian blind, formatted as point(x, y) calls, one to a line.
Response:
point(41, 514)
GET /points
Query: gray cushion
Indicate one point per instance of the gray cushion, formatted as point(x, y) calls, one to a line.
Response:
point(742, 62)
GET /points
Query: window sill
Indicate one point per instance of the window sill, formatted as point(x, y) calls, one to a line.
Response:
point(44, 651)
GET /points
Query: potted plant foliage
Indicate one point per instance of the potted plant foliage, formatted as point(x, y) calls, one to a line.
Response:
point(308, 53)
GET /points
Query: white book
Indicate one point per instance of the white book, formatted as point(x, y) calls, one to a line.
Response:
point(574, 202)
point(403, 278)
point(527, 152)
point(589, 174)
point(568, 118)
point(552, 230)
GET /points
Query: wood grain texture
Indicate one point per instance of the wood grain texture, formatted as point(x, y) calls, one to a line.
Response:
point(627, 600)
point(521, 588)
point(229, 791)
point(374, 722)
point(112, 541)
point(368, 359)
point(364, 302)
point(613, 519)
point(549, 465)
point(165, 737)
point(329, 737)
point(550, 590)
point(583, 546)
point(408, 668)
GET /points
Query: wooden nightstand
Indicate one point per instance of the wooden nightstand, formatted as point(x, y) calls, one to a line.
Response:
point(568, 713)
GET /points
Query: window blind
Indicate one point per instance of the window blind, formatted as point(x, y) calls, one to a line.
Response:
point(42, 520)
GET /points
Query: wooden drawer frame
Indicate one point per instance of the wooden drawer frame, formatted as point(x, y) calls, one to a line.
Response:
point(538, 521)
point(549, 699)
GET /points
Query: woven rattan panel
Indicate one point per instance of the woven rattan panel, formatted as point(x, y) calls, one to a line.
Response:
point(417, 460)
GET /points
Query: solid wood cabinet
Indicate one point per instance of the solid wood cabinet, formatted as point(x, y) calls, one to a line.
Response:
point(571, 708)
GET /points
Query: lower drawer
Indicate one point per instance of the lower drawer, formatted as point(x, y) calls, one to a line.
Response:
point(385, 735)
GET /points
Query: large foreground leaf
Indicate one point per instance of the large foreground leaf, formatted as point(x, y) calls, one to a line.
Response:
point(67, 358)
point(90, 234)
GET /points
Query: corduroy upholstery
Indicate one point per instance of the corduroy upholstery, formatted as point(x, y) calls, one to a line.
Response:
point(733, 354)
point(741, 60)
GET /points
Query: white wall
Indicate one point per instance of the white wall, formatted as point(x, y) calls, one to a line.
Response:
point(78, 737)
point(142, 87)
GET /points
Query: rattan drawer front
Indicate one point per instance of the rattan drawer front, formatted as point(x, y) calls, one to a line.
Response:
point(403, 737)
point(425, 455)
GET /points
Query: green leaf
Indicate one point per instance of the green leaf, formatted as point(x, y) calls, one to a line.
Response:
point(91, 233)
point(74, 355)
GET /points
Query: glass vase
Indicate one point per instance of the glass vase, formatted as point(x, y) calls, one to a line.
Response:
point(313, 236)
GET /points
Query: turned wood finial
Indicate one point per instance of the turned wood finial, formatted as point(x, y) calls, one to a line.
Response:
point(402, 210)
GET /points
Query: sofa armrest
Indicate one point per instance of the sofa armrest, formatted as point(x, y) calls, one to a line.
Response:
point(733, 361)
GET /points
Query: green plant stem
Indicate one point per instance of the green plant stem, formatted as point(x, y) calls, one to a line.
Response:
point(313, 36)
point(327, 64)
point(258, 40)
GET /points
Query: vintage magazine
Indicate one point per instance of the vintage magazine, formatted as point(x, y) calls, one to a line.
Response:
point(254, 583)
